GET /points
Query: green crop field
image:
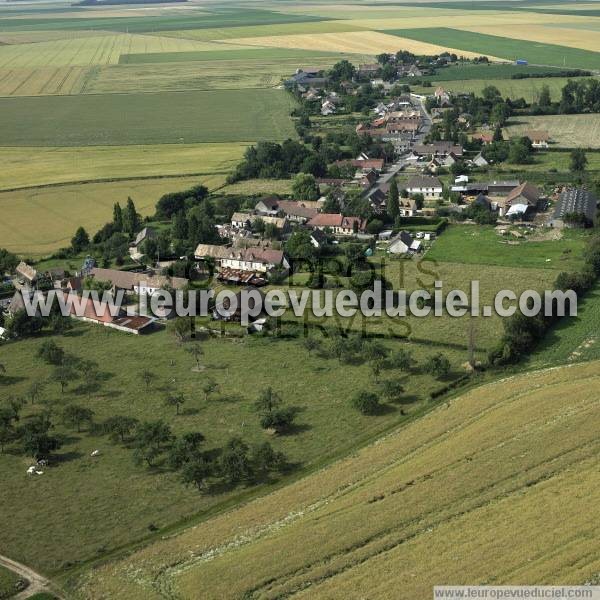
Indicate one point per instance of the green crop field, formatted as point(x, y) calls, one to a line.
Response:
point(36, 166)
point(157, 118)
point(497, 465)
point(223, 18)
point(483, 245)
point(493, 71)
point(38, 221)
point(503, 47)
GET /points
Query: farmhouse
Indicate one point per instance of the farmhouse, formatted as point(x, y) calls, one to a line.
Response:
point(257, 260)
point(85, 309)
point(138, 283)
point(521, 200)
point(298, 211)
point(338, 224)
point(576, 207)
point(26, 273)
point(438, 150)
point(538, 138)
point(408, 207)
point(430, 187)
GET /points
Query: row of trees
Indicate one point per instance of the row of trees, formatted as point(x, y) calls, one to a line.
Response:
point(522, 333)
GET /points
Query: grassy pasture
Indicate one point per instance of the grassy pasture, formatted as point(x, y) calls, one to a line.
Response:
point(88, 510)
point(574, 339)
point(503, 47)
point(482, 245)
point(529, 89)
point(153, 118)
point(567, 131)
point(497, 465)
point(493, 71)
point(35, 222)
point(8, 581)
point(442, 332)
point(36, 166)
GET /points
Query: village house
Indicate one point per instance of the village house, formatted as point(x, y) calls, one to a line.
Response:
point(308, 77)
point(521, 201)
point(338, 224)
point(26, 274)
point(257, 260)
point(483, 137)
point(430, 187)
point(538, 138)
point(439, 150)
point(318, 238)
point(99, 313)
point(137, 283)
point(576, 207)
point(408, 207)
point(368, 70)
point(442, 97)
point(401, 244)
point(298, 212)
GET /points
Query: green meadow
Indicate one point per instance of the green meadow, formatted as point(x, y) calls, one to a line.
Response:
point(153, 118)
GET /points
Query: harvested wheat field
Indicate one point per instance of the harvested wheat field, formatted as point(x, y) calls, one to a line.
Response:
point(353, 42)
point(567, 131)
point(563, 36)
point(495, 484)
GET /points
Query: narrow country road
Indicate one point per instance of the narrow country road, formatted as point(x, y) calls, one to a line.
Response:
point(37, 583)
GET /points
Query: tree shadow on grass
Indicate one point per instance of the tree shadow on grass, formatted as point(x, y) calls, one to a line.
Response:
point(65, 457)
point(10, 380)
point(189, 411)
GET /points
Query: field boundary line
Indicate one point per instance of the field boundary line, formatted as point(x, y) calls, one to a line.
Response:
point(111, 180)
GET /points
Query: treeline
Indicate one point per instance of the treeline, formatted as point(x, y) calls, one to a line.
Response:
point(553, 73)
point(523, 333)
point(270, 160)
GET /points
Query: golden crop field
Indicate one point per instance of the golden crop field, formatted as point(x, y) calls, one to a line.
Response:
point(487, 482)
point(98, 50)
point(563, 36)
point(566, 131)
point(44, 80)
point(35, 166)
point(358, 42)
point(37, 221)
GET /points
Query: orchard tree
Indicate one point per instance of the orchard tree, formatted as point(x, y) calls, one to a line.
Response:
point(366, 402)
point(304, 187)
point(197, 470)
point(438, 365)
point(119, 427)
point(176, 400)
point(147, 377)
point(75, 416)
point(209, 387)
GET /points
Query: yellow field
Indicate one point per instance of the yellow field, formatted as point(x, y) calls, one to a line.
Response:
point(359, 42)
point(36, 222)
point(99, 50)
point(563, 36)
point(33, 82)
point(567, 131)
point(500, 485)
point(263, 30)
point(25, 166)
